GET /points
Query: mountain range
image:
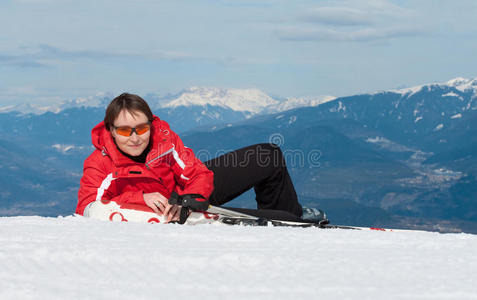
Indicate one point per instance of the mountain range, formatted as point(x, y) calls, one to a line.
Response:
point(401, 157)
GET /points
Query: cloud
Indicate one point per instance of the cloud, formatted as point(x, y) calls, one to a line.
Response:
point(360, 35)
point(338, 16)
point(45, 56)
point(41, 1)
point(20, 61)
point(48, 52)
point(352, 21)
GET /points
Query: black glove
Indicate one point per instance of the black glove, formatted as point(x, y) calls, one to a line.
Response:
point(191, 201)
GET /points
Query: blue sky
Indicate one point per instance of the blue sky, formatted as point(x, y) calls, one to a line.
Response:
point(53, 50)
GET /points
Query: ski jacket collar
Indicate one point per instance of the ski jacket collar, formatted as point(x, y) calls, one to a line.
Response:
point(160, 143)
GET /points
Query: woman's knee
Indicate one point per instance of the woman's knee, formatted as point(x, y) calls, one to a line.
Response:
point(269, 155)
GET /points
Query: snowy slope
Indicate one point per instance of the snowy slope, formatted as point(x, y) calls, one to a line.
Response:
point(79, 258)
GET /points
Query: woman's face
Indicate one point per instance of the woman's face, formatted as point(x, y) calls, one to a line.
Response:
point(134, 144)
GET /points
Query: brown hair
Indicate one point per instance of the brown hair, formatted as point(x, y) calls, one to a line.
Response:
point(129, 102)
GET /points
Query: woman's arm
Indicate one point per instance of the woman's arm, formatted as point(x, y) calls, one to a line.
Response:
point(97, 183)
point(191, 175)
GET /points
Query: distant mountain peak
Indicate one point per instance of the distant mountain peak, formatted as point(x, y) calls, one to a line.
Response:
point(459, 83)
point(463, 84)
point(98, 100)
point(251, 100)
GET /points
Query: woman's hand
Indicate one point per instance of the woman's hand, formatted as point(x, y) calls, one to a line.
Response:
point(160, 205)
point(172, 213)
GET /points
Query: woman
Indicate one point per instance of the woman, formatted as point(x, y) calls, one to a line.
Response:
point(139, 160)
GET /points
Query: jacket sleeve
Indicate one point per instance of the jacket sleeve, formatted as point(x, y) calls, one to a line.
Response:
point(191, 175)
point(97, 183)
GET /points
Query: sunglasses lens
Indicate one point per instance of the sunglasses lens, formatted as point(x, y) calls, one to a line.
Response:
point(127, 131)
point(142, 129)
point(124, 131)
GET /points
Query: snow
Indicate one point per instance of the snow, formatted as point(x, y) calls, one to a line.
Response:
point(98, 100)
point(408, 91)
point(245, 100)
point(63, 148)
point(450, 94)
point(67, 148)
point(292, 120)
point(293, 102)
point(80, 258)
point(456, 116)
point(463, 84)
point(439, 127)
point(252, 100)
point(459, 83)
point(340, 107)
point(389, 145)
point(27, 108)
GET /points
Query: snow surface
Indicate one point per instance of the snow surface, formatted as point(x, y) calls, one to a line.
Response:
point(439, 127)
point(293, 102)
point(409, 91)
point(80, 258)
point(456, 116)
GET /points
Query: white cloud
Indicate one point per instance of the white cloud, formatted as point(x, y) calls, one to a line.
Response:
point(47, 55)
point(339, 16)
point(352, 21)
point(328, 34)
point(19, 61)
point(42, 1)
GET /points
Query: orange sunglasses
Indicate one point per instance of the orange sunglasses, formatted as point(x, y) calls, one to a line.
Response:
point(128, 131)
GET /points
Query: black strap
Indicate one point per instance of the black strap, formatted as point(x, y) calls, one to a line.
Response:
point(183, 215)
point(189, 200)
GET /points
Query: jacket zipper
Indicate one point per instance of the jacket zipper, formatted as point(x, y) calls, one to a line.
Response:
point(165, 153)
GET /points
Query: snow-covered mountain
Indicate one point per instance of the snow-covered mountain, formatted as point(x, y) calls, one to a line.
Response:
point(247, 101)
point(98, 100)
point(459, 83)
point(409, 152)
point(252, 101)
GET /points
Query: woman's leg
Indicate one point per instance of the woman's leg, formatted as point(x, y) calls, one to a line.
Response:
point(260, 166)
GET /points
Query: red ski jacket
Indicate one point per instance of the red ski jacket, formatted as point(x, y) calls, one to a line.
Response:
point(109, 175)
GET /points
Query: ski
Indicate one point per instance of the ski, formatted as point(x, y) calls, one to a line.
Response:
point(231, 217)
point(111, 211)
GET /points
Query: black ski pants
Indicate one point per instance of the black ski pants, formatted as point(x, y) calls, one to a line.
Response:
point(261, 167)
